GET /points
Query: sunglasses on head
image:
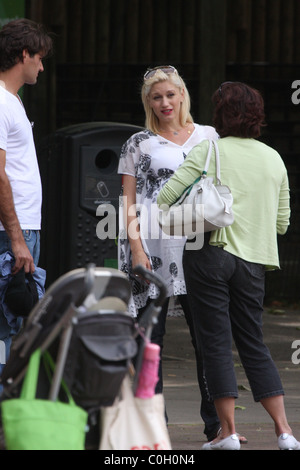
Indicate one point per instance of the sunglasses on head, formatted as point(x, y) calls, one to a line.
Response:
point(164, 68)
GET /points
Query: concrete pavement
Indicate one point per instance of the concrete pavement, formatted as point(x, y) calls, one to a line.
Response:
point(282, 335)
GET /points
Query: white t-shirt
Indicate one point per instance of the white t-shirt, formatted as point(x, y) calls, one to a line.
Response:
point(22, 169)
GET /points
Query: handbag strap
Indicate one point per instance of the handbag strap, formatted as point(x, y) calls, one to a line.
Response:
point(50, 367)
point(213, 143)
point(187, 190)
point(29, 387)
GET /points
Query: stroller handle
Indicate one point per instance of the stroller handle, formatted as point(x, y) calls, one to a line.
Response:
point(155, 279)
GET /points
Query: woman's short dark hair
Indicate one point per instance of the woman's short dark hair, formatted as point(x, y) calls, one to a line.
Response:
point(238, 110)
point(19, 35)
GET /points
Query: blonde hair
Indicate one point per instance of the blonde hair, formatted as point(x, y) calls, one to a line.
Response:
point(152, 122)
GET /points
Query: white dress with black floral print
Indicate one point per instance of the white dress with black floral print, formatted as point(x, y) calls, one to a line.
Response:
point(152, 160)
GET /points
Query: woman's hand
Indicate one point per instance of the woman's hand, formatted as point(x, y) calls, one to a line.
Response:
point(140, 257)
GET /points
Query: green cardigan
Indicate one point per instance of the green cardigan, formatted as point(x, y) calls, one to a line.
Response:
point(259, 183)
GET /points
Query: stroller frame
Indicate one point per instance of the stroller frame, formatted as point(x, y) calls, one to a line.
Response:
point(64, 304)
point(75, 286)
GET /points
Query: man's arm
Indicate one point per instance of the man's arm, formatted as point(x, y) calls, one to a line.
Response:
point(11, 223)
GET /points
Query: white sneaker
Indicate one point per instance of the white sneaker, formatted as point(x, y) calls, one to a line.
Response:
point(228, 443)
point(288, 442)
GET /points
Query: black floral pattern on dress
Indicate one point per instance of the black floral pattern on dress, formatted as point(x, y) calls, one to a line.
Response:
point(152, 184)
point(156, 262)
point(145, 162)
point(173, 269)
point(139, 137)
point(165, 173)
point(140, 183)
point(133, 143)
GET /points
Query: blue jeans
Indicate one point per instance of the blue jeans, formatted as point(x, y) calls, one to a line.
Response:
point(226, 296)
point(32, 239)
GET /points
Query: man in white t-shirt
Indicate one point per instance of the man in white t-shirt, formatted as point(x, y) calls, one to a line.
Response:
point(23, 45)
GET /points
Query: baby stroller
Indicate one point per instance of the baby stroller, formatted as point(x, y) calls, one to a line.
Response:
point(82, 321)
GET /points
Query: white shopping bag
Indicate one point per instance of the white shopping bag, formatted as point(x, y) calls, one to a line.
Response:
point(134, 423)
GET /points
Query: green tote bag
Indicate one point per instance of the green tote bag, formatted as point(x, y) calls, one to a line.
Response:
point(36, 424)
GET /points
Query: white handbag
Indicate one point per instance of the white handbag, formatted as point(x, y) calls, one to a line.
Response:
point(204, 206)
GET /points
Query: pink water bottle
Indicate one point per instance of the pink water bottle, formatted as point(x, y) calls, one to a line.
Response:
point(148, 377)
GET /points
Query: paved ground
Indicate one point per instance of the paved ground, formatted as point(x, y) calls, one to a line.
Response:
point(281, 331)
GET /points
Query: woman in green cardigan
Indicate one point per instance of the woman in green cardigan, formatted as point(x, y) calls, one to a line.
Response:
point(225, 279)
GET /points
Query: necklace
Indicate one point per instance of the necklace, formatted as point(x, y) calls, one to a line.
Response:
point(176, 132)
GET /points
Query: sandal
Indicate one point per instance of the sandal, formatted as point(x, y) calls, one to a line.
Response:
point(211, 437)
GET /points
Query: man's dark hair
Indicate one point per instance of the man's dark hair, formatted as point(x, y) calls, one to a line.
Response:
point(19, 35)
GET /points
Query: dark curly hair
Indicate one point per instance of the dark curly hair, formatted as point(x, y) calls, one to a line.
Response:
point(238, 110)
point(19, 35)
